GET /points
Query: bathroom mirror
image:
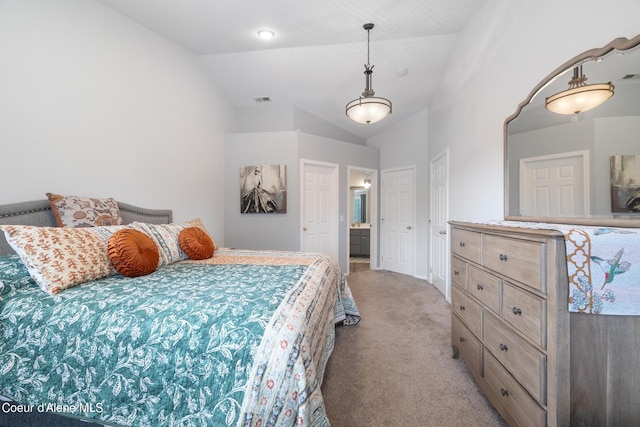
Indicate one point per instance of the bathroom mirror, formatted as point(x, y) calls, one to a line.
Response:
point(578, 168)
point(359, 205)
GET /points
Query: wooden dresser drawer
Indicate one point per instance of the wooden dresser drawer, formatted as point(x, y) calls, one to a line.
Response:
point(470, 347)
point(467, 244)
point(526, 312)
point(515, 293)
point(526, 363)
point(467, 309)
point(519, 407)
point(485, 287)
point(459, 272)
point(519, 259)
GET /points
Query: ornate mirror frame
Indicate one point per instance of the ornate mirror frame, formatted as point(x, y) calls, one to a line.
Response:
point(619, 44)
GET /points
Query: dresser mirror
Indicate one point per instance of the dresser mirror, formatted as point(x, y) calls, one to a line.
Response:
point(579, 168)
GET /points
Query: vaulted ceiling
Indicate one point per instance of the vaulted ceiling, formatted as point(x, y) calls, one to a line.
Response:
point(316, 60)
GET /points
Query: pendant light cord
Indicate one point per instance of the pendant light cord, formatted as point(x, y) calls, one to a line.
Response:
point(368, 35)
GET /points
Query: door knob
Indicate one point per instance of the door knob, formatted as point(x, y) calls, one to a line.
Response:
point(304, 228)
point(408, 227)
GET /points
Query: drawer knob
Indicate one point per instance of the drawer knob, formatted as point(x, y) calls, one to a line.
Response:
point(503, 257)
point(462, 339)
point(480, 286)
point(461, 307)
point(462, 244)
point(503, 347)
point(517, 311)
point(456, 273)
point(504, 392)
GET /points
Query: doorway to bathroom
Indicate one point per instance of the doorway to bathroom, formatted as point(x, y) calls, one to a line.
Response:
point(362, 230)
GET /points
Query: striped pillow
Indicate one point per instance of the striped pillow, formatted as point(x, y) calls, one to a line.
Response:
point(167, 238)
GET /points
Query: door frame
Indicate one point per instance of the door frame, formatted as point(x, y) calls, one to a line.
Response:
point(334, 204)
point(447, 278)
point(413, 214)
point(374, 263)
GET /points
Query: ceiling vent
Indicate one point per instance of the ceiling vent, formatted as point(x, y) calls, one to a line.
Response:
point(263, 99)
point(631, 77)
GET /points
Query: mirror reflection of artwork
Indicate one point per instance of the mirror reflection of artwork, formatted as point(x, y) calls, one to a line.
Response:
point(263, 189)
point(359, 206)
point(625, 183)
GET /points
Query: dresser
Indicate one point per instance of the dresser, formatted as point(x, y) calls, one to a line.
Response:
point(510, 322)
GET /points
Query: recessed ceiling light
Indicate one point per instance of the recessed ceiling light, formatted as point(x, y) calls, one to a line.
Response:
point(266, 34)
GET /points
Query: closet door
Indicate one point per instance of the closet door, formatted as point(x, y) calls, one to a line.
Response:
point(397, 221)
point(319, 207)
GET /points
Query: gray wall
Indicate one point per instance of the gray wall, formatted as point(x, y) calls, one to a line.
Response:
point(276, 118)
point(407, 145)
point(282, 231)
point(261, 231)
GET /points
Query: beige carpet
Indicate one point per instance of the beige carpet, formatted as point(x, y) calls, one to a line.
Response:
point(395, 368)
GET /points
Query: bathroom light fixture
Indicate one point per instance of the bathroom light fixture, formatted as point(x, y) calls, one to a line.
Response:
point(367, 183)
point(368, 108)
point(580, 96)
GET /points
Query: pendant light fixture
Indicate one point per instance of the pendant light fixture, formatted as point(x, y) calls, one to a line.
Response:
point(368, 108)
point(580, 96)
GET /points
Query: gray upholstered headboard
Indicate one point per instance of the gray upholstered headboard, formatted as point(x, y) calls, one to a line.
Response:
point(38, 212)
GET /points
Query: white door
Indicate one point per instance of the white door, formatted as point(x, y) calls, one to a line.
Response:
point(555, 185)
point(396, 221)
point(439, 265)
point(319, 207)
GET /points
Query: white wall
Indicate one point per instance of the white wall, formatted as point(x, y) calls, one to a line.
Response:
point(502, 53)
point(96, 105)
point(497, 59)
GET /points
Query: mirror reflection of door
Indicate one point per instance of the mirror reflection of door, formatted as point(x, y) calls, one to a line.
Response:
point(555, 185)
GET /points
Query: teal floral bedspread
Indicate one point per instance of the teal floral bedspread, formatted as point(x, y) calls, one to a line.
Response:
point(193, 344)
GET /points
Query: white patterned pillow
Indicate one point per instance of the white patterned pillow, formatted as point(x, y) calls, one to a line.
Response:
point(75, 212)
point(60, 258)
point(167, 238)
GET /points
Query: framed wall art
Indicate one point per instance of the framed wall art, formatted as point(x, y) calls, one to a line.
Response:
point(263, 189)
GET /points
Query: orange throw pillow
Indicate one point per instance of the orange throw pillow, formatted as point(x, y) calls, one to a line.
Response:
point(196, 243)
point(132, 253)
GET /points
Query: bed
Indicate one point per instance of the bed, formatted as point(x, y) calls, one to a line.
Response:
point(237, 339)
